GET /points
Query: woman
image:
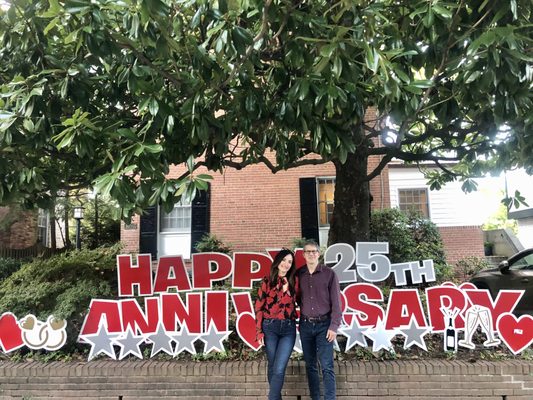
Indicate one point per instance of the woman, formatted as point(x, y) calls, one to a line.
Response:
point(275, 312)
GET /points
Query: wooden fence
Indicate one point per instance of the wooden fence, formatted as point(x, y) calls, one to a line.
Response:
point(37, 250)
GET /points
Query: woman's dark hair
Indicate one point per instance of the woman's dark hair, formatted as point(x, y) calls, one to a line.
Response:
point(290, 273)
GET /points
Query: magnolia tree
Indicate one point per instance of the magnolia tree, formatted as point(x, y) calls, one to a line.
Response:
point(109, 94)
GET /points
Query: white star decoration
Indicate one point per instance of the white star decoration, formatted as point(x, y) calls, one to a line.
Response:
point(129, 344)
point(381, 338)
point(414, 334)
point(213, 339)
point(184, 340)
point(161, 341)
point(101, 342)
point(354, 333)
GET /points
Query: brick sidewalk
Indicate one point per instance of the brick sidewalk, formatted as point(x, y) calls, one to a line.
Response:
point(388, 380)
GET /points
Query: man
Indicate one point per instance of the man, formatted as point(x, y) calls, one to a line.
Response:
point(320, 317)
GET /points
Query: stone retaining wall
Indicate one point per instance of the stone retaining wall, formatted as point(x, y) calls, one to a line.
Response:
point(128, 380)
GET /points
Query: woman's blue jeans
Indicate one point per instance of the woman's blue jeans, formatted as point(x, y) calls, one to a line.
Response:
point(316, 347)
point(280, 335)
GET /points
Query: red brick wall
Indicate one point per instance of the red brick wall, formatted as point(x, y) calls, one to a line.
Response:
point(388, 380)
point(461, 242)
point(22, 232)
point(254, 209)
point(129, 235)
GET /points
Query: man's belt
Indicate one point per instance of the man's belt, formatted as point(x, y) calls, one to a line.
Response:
point(320, 318)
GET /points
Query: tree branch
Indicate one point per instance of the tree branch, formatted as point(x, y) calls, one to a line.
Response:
point(384, 161)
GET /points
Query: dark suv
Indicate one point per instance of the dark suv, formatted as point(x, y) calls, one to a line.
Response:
point(513, 273)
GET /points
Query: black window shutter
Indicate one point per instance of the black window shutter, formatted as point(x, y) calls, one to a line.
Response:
point(148, 233)
point(308, 208)
point(200, 217)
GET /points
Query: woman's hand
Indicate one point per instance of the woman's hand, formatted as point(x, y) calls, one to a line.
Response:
point(261, 340)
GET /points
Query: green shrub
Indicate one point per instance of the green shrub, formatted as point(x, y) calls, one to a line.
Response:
point(469, 266)
point(411, 238)
point(62, 285)
point(108, 232)
point(8, 266)
point(212, 243)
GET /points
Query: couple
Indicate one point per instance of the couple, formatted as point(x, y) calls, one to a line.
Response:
point(316, 289)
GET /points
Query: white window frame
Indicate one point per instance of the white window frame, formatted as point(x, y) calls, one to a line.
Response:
point(187, 207)
point(424, 189)
point(43, 217)
point(174, 241)
point(323, 230)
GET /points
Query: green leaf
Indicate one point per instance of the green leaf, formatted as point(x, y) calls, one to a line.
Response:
point(372, 59)
point(442, 11)
point(153, 107)
point(153, 148)
point(402, 75)
point(190, 163)
point(422, 84)
point(53, 11)
point(304, 89)
point(473, 76)
point(201, 185)
point(337, 67)
point(327, 50)
point(52, 24)
point(71, 37)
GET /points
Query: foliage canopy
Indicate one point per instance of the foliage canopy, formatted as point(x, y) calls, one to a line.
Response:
point(110, 94)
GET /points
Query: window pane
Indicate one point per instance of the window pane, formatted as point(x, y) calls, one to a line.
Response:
point(414, 200)
point(326, 192)
point(178, 220)
point(42, 226)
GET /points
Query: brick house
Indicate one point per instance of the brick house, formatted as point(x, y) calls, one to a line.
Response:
point(253, 209)
point(24, 229)
point(19, 229)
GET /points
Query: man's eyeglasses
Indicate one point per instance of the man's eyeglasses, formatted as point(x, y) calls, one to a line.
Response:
point(311, 251)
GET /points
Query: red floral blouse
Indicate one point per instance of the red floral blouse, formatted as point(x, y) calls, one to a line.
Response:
point(274, 303)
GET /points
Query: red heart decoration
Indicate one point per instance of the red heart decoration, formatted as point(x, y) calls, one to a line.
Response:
point(517, 333)
point(10, 333)
point(246, 330)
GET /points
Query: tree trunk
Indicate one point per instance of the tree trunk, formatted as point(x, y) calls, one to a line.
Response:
point(53, 242)
point(350, 222)
point(68, 243)
point(96, 223)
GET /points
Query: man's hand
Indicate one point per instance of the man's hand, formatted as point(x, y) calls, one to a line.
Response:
point(331, 335)
point(261, 341)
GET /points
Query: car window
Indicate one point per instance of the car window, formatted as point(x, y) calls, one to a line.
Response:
point(524, 263)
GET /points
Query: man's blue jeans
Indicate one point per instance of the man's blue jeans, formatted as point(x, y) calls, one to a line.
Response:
point(280, 335)
point(317, 348)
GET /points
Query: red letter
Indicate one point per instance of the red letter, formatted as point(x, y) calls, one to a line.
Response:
point(174, 309)
point(357, 295)
point(404, 304)
point(140, 322)
point(139, 275)
point(505, 302)
point(109, 310)
point(445, 296)
point(202, 274)
point(171, 273)
point(249, 267)
point(216, 310)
